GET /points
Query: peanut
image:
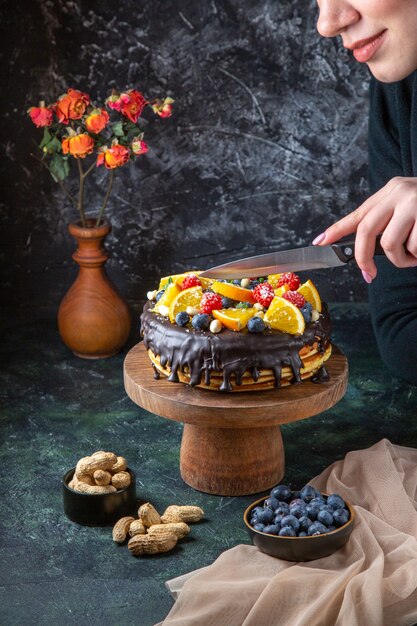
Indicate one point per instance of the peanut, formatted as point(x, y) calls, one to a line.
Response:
point(101, 477)
point(121, 529)
point(82, 487)
point(89, 464)
point(151, 544)
point(121, 480)
point(149, 515)
point(137, 528)
point(120, 465)
point(185, 513)
point(170, 518)
point(179, 529)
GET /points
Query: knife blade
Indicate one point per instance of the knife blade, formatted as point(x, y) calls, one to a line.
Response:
point(295, 260)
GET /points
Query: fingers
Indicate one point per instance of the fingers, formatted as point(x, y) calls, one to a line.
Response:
point(392, 212)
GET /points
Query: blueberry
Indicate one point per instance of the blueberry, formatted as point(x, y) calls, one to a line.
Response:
point(296, 494)
point(271, 503)
point(273, 529)
point(305, 522)
point(287, 531)
point(253, 284)
point(159, 294)
point(326, 507)
point(259, 527)
point(297, 502)
point(256, 325)
point(182, 318)
point(290, 520)
point(282, 509)
point(340, 517)
point(302, 534)
point(317, 528)
point(317, 501)
point(256, 510)
point(265, 516)
point(298, 511)
point(227, 303)
point(282, 492)
point(278, 518)
point(312, 511)
point(306, 310)
point(331, 527)
point(308, 493)
point(201, 321)
point(325, 518)
point(236, 282)
point(336, 501)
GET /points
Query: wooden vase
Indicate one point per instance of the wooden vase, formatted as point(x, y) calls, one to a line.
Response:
point(93, 319)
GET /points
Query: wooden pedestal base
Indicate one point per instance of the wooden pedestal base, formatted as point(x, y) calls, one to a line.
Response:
point(231, 461)
point(232, 443)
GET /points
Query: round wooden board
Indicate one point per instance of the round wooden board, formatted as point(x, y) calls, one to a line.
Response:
point(250, 409)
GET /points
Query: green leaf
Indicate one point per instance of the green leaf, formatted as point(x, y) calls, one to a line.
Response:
point(46, 138)
point(118, 129)
point(59, 167)
point(54, 145)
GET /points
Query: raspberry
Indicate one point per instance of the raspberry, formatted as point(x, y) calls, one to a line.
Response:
point(191, 280)
point(289, 279)
point(210, 301)
point(295, 298)
point(264, 294)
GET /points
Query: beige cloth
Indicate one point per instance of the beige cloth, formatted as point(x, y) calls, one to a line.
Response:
point(372, 581)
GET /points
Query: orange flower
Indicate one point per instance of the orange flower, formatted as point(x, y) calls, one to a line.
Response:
point(78, 145)
point(139, 146)
point(71, 106)
point(113, 157)
point(41, 116)
point(97, 120)
point(163, 108)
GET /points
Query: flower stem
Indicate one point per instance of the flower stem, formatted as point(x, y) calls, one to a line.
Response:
point(60, 183)
point(81, 194)
point(103, 206)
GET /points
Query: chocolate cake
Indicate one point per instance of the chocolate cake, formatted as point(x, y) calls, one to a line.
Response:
point(257, 335)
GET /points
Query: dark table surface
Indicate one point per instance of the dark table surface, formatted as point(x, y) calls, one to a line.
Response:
point(57, 408)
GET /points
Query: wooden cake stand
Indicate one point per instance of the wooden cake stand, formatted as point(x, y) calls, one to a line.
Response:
point(231, 444)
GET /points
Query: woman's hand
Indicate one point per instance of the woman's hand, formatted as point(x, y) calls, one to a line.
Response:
point(391, 213)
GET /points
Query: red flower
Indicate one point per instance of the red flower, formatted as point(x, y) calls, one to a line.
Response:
point(163, 108)
point(139, 146)
point(116, 100)
point(113, 157)
point(41, 116)
point(78, 145)
point(134, 106)
point(97, 120)
point(71, 106)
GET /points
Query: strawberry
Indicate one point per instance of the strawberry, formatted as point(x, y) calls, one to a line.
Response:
point(264, 294)
point(191, 280)
point(210, 301)
point(295, 298)
point(289, 279)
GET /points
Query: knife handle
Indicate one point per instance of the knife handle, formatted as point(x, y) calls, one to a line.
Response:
point(345, 248)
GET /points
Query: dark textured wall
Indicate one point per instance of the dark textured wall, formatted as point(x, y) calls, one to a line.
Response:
point(267, 144)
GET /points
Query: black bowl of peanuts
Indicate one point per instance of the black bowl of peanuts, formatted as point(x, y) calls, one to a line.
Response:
point(99, 490)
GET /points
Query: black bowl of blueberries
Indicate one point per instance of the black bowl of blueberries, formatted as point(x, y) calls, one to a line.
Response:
point(299, 525)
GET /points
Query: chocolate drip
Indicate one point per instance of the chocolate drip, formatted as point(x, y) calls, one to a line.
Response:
point(321, 376)
point(229, 352)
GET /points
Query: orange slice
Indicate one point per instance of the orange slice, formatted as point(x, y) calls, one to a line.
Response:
point(285, 316)
point(235, 319)
point(185, 298)
point(273, 280)
point(170, 293)
point(233, 291)
point(281, 290)
point(311, 294)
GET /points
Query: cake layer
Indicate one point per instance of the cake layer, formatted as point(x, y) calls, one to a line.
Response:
point(229, 360)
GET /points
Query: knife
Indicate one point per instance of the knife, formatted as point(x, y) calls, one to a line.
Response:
point(295, 260)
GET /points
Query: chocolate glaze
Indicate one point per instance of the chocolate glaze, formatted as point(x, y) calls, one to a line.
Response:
point(229, 352)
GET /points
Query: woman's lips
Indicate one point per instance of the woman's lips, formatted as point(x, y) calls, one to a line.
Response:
point(365, 49)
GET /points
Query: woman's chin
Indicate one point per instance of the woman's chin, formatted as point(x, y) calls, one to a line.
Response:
point(388, 73)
